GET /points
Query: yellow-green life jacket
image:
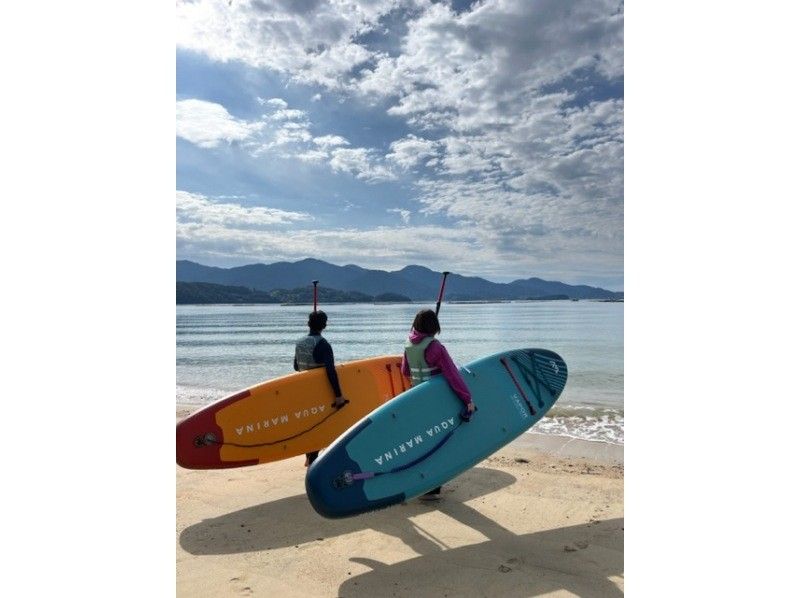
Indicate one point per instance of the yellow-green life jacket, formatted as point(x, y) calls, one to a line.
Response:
point(415, 354)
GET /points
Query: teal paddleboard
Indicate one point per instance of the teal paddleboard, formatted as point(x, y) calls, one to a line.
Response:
point(419, 440)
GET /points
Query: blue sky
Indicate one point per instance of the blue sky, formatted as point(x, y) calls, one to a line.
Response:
point(484, 138)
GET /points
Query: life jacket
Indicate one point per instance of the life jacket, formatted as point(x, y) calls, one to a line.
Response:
point(304, 352)
point(415, 355)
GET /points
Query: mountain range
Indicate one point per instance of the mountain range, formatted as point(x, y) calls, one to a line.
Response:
point(416, 282)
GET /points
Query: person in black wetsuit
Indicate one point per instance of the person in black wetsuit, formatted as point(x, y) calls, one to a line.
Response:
point(313, 351)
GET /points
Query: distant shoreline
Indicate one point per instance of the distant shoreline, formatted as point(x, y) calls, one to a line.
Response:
point(421, 302)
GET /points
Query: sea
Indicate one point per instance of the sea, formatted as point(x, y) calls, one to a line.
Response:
point(224, 348)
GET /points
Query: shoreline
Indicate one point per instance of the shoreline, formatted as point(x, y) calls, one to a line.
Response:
point(550, 444)
point(570, 447)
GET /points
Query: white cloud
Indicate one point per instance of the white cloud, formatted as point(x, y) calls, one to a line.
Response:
point(277, 103)
point(466, 250)
point(287, 135)
point(313, 156)
point(197, 212)
point(519, 157)
point(483, 67)
point(360, 162)
point(288, 114)
point(208, 124)
point(384, 247)
point(405, 215)
point(513, 138)
point(407, 152)
point(330, 141)
point(312, 41)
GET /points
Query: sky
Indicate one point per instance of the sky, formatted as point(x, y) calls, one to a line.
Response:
point(484, 138)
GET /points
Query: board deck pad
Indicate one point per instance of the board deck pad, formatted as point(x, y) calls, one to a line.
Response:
point(418, 441)
point(285, 417)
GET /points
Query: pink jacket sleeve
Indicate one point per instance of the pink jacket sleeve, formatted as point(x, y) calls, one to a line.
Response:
point(437, 356)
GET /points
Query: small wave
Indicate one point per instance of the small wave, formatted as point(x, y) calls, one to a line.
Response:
point(584, 422)
point(584, 410)
point(191, 395)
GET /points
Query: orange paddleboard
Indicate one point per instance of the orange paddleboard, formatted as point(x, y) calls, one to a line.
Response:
point(285, 417)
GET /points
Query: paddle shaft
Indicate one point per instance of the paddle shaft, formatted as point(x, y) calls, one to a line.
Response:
point(441, 292)
point(316, 282)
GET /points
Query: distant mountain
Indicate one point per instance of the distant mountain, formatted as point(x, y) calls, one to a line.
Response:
point(415, 282)
point(262, 277)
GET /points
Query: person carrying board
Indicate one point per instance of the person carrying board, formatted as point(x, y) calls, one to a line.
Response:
point(313, 351)
point(425, 357)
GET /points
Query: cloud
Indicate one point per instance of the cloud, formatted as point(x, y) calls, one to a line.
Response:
point(208, 124)
point(466, 250)
point(460, 65)
point(407, 152)
point(330, 141)
point(286, 133)
point(522, 149)
point(277, 103)
point(312, 156)
point(311, 41)
point(291, 135)
point(197, 212)
point(362, 163)
point(513, 117)
point(288, 114)
point(383, 247)
point(405, 215)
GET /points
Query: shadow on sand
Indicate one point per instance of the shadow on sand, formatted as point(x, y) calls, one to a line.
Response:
point(291, 521)
point(578, 558)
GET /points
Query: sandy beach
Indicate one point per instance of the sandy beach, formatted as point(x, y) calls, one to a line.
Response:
point(543, 516)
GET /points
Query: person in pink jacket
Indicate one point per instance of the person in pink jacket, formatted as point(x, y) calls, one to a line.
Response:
point(425, 357)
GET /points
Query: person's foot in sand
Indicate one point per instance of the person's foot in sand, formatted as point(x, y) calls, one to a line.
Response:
point(430, 498)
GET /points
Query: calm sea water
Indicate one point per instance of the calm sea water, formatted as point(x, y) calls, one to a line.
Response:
point(224, 348)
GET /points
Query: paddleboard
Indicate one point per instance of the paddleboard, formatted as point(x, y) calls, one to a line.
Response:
point(418, 441)
point(285, 417)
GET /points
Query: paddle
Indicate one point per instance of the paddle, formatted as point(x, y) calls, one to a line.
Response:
point(441, 292)
point(315, 282)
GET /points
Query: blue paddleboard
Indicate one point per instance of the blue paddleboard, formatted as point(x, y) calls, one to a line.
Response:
point(418, 440)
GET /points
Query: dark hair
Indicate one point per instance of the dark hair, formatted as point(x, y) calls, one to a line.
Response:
point(427, 322)
point(317, 320)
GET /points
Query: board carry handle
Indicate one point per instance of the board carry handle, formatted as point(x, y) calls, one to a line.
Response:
point(391, 379)
point(348, 477)
point(210, 439)
point(441, 291)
